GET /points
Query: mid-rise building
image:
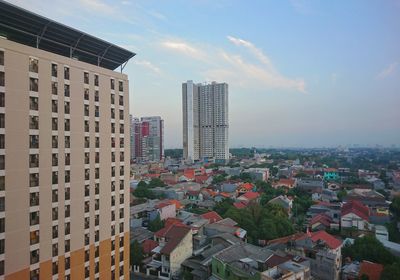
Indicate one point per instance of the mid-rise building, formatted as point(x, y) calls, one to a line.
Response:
point(147, 139)
point(205, 121)
point(64, 164)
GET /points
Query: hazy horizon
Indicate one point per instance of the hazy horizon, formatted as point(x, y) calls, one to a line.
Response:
point(300, 73)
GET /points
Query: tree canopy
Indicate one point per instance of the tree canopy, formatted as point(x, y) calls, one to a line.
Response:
point(156, 224)
point(136, 253)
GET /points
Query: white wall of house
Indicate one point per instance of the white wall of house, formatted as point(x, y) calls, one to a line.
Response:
point(352, 220)
point(181, 253)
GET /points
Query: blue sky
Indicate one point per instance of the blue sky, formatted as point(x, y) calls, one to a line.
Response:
point(300, 73)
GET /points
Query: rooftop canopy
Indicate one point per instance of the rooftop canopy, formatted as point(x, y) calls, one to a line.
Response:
point(25, 27)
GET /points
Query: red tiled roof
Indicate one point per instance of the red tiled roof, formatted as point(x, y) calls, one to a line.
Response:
point(212, 217)
point(250, 195)
point(189, 173)
point(321, 218)
point(174, 236)
point(247, 186)
point(329, 240)
point(285, 239)
point(275, 260)
point(239, 205)
point(201, 178)
point(168, 225)
point(372, 270)
point(285, 182)
point(149, 245)
point(178, 205)
point(357, 208)
point(163, 204)
point(171, 221)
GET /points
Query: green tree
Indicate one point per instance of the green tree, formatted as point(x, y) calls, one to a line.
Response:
point(156, 182)
point(395, 206)
point(142, 184)
point(136, 253)
point(391, 272)
point(245, 176)
point(223, 206)
point(342, 193)
point(156, 224)
point(143, 192)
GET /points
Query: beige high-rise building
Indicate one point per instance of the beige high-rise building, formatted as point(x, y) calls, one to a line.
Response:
point(64, 152)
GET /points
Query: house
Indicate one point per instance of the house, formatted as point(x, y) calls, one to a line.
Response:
point(239, 204)
point(222, 195)
point(164, 209)
point(355, 215)
point(175, 246)
point(244, 188)
point(285, 202)
point(224, 226)
point(194, 196)
point(331, 174)
point(258, 174)
point(320, 222)
point(228, 188)
point(374, 200)
point(288, 270)
point(249, 196)
point(310, 185)
point(284, 183)
point(212, 217)
point(372, 270)
point(169, 178)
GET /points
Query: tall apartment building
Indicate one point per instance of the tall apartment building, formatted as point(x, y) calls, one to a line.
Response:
point(205, 121)
point(147, 139)
point(64, 176)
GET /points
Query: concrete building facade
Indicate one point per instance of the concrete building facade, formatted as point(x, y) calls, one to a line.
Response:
point(205, 121)
point(64, 176)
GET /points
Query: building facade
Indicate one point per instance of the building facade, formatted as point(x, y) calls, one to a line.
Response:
point(205, 121)
point(64, 176)
point(147, 139)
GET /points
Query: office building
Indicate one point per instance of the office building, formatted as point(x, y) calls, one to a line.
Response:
point(64, 176)
point(205, 121)
point(147, 139)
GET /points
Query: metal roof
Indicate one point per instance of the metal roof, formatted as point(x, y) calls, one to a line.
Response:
point(25, 27)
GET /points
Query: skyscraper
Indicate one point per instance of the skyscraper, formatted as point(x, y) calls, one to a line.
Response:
point(147, 139)
point(64, 176)
point(205, 121)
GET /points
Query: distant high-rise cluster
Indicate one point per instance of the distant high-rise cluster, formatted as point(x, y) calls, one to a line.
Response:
point(147, 139)
point(205, 121)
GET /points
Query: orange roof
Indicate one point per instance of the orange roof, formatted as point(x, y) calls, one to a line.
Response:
point(201, 178)
point(285, 182)
point(239, 205)
point(372, 270)
point(212, 217)
point(173, 222)
point(224, 194)
point(178, 205)
point(149, 245)
point(170, 221)
point(329, 240)
point(189, 173)
point(250, 195)
point(247, 186)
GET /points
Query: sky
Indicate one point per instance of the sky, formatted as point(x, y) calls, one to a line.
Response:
point(300, 73)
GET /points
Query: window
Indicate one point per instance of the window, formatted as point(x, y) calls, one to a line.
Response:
point(113, 128)
point(121, 213)
point(55, 250)
point(87, 158)
point(121, 128)
point(67, 228)
point(55, 267)
point(96, 80)
point(2, 99)
point(33, 180)
point(54, 177)
point(96, 111)
point(67, 209)
point(113, 156)
point(121, 185)
point(112, 229)
point(86, 77)
point(54, 214)
point(97, 173)
point(112, 99)
point(34, 237)
point(97, 157)
point(112, 83)
point(112, 186)
point(67, 263)
point(55, 231)
point(121, 199)
point(54, 196)
point(34, 256)
point(33, 122)
point(66, 73)
point(86, 126)
point(112, 113)
point(54, 141)
point(67, 126)
point(2, 79)
point(67, 176)
point(121, 142)
point(67, 159)
point(96, 204)
point(97, 188)
point(33, 84)
point(34, 218)
point(113, 217)
point(54, 123)
point(87, 142)
point(86, 110)
point(87, 174)
point(33, 160)
point(96, 220)
point(54, 88)
point(121, 85)
point(87, 193)
point(96, 126)
point(87, 223)
point(2, 162)
point(67, 245)
point(54, 70)
point(54, 106)
point(121, 156)
point(121, 100)
point(97, 142)
point(121, 114)
point(87, 206)
point(66, 107)
point(121, 172)
point(2, 183)
point(2, 120)
point(66, 91)
point(112, 142)
point(87, 272)
point(96, 250)
point(34, 275)
point(2, 141)
point(112, 200)
point(112, 245)
point(96, 96)
point(33, 103)
point(54, 160)
point(67, 142)
point(33, 65)
point(34, 141)
point(2, 204)
point(112, 171)
point(87, 252)
point(67, 194)
point(1, 57)
point(86, 94)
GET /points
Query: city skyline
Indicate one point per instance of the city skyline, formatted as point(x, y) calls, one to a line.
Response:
point(316, 74)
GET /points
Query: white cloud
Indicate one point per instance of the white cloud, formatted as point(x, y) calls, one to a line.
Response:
point(389, 70)
point(98, 6)
point(148, 65)
point(184, 48)
point(157, 15)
